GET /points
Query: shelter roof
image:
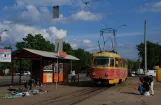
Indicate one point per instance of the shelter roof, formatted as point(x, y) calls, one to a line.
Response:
point(48, 54)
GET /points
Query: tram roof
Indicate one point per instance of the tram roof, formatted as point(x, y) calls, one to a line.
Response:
point(107, 54)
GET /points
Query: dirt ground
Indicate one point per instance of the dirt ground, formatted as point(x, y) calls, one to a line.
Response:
point(86, 94)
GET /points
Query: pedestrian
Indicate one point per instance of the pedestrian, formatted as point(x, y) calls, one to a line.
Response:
point(146, 86)
point(143, 87)
point(150, 81)
point(73, 75)
point(140, 87)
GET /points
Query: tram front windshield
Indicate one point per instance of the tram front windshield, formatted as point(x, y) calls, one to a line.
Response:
point(101, 61)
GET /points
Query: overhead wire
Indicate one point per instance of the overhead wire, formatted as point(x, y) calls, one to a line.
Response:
point(86, 3)
point(99, 18)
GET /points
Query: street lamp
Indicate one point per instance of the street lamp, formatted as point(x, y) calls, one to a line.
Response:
point(120, 27)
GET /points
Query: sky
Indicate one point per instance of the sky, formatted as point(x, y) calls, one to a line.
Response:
point(80, 24)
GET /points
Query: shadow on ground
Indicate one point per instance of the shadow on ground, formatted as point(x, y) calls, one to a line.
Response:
point(130, 93)
point(86, 84)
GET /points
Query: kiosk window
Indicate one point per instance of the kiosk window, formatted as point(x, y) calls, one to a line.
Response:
point(116, 62)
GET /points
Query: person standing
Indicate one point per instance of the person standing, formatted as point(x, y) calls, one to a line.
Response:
point(73, 75)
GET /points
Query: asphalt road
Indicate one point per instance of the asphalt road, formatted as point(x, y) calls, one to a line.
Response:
point(6, 80)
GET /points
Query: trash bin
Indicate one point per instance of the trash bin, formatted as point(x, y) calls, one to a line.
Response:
point(158, 75)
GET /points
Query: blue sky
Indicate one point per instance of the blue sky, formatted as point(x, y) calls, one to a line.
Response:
point(80, 26)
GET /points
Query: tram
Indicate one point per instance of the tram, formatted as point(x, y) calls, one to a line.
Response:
point(108, 67)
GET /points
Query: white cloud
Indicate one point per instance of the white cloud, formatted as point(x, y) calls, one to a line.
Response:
point(155, 7)
point(129, 34)
point(16, 32)
point(46, 2)
point(86, 16)
point(60, 34)
point(87, 41)
point(92, 49)
point(74, 45)
point(84, 44)
point(34, 16)
point(19, 4)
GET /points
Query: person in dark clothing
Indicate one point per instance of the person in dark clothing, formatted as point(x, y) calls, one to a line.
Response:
point(143, 87)
point(150, 81)
point(28, 84)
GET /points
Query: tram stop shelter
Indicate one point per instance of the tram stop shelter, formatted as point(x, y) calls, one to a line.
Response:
point(43, 65)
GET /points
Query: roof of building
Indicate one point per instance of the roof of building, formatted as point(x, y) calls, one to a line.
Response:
point(49, 54)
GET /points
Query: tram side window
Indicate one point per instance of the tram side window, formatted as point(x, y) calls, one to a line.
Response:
point(111, 62)
point(126, 63)
point(120, 63)
point(123, 64)
point(116, 62)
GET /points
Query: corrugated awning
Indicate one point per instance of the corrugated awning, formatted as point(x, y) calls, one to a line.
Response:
point(49, 54)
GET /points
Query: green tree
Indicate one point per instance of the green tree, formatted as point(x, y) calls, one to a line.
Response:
point(35, 42)
point(132, 65)
point(153, 54)
point(67, 48)
point(84, 57)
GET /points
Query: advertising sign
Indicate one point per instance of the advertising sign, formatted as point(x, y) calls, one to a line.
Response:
point(55, 12)
point(47, 78)
point(62, 54)
point(5, 55)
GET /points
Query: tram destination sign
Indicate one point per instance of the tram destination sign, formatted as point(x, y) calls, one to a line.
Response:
point(5, 55)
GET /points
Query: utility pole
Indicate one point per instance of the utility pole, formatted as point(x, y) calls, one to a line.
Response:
point(55, 16)
point(145, 66)
point(114, 43)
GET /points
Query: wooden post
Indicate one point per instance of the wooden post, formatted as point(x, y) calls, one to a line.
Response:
point(41, 72)
point(31, 68)
point(53, 71)
point(20, 73)
point(12, 72)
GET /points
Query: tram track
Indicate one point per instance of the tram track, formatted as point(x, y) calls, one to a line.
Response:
point(75, 97)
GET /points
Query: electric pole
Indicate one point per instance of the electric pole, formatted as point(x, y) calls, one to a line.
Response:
point(145, 66)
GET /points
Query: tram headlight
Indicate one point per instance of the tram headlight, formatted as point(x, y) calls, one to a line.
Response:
point(106, 74)
point(93, 74)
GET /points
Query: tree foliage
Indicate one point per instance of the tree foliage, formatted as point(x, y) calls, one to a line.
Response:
point(132, 65)
point(37, 42)
point(153, 54)
point(84, 57)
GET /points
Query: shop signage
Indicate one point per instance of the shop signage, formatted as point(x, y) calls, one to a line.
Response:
point(5, 55)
